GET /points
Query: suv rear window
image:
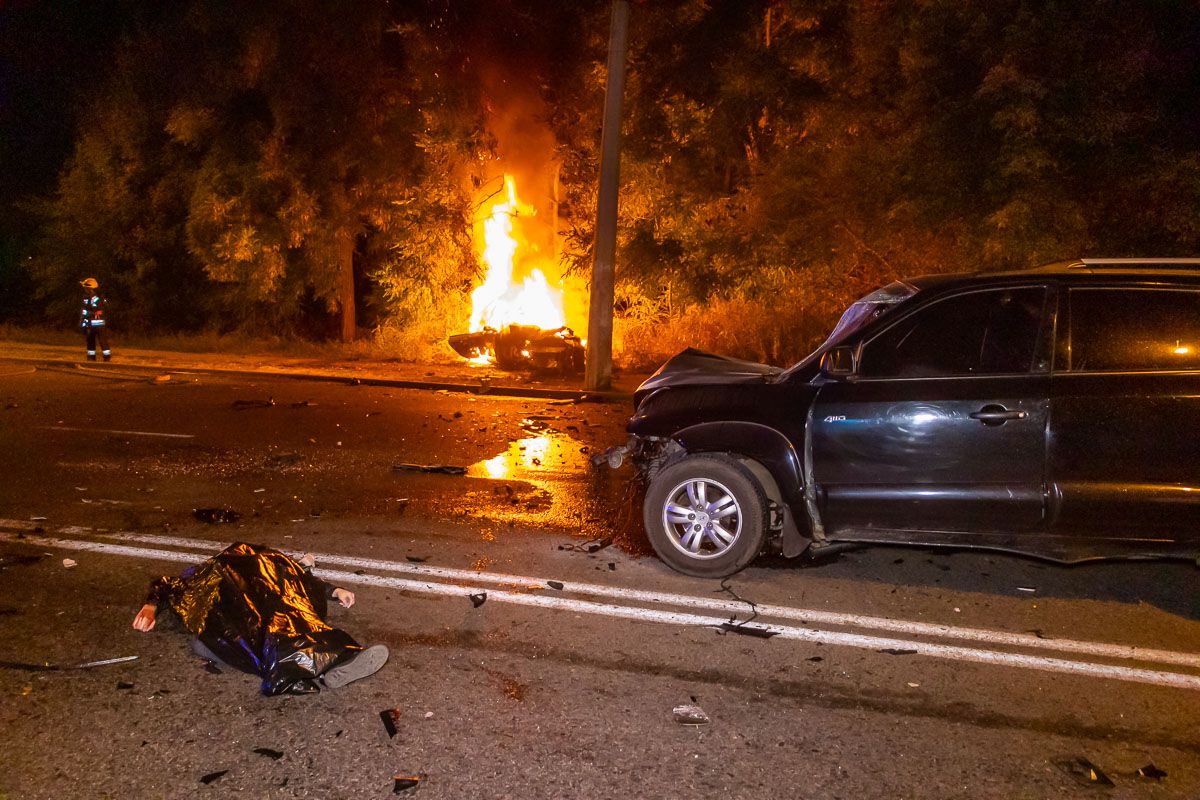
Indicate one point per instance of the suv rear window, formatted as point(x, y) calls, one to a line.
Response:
point(1134, 330)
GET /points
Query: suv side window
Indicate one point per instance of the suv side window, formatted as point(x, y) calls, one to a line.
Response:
point(1134, 330)
point(990, 332)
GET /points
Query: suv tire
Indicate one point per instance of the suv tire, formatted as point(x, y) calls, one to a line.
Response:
point(705, 515)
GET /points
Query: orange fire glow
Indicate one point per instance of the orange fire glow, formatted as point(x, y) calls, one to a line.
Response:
point(502, 300)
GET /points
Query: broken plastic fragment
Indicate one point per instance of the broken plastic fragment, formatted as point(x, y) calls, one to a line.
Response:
point(747, 630)
point(1151, 772)
point(69, 562)
point(124, 685)
point(390, 716)
point(1026, 589)
point(416, 559)
point(274, 755)
point(242, 405)
point(690, 715)
point(212, 776)
point(555, 585)
point(405, 782)
point(445, 469)
point(1084, 772)
point(478, 599)
point(216, 516)
point(896, 651)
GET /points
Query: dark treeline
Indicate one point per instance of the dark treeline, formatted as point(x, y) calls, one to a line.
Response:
point(265, 165)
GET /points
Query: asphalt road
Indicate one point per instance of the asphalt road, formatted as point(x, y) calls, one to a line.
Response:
point(887, 672)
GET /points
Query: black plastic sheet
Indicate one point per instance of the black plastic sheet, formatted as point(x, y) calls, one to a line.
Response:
point(262, 612)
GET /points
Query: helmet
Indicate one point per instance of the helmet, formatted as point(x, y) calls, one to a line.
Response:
point(90, 283)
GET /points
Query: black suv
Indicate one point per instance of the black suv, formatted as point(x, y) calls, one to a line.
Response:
point(1053, 412)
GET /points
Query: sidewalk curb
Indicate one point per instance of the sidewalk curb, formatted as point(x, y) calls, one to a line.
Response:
point(578, 395)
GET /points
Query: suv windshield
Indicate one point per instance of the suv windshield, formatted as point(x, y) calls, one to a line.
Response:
point(860, 312)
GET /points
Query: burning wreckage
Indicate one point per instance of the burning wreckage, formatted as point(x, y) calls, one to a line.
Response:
point(517, 320)
point(520, 347)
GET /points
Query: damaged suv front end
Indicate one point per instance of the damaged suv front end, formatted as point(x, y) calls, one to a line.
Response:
point(721, 444)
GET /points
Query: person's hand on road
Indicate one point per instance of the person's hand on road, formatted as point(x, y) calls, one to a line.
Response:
point(144, 621)
point(344, 596)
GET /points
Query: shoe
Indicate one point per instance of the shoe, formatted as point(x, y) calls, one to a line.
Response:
point(363, 665)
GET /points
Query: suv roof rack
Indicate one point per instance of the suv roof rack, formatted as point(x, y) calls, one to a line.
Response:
point(1148, 263)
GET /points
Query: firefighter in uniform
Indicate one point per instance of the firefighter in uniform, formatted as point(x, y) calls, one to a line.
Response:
point(92, 320)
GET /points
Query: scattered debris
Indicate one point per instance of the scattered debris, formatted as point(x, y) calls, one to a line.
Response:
point(390, 716)
point(555, 585)
point(1026, 589)
point(1084, 772)
point(743, 629)
point(212, 777)
point(20, 561)
point(216, 516)
point(896, 651)
point(212, 668)
point(690, 715)
point(243, 405)
point(282, 460)
point(913, 685)
point(478, 599)
point(815, 658)
point(428, 715)
point(401, 504)
point(123, 685)
point(592, 546)
point(69, 562)
point(60, 667)
point(1151, 772)
point(43, 519)
point(444, 469)
point(416, 559)
point(274, 755)
point(405, 782)
point(166, 378)
point(303, 404)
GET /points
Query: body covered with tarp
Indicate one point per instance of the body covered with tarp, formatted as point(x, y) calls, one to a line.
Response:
point(261, 611)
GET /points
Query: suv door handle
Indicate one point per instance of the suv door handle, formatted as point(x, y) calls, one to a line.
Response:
point(997, 415)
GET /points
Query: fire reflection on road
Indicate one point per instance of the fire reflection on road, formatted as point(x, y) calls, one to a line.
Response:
point(548, 479)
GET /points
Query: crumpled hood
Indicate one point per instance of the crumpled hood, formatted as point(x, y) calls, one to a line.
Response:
point(696, 368)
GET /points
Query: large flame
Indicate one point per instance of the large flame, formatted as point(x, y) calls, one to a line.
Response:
point(501, 300)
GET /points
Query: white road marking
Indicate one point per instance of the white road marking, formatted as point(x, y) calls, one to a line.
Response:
point(557, 602)
point(122, 433)
point(732, 607)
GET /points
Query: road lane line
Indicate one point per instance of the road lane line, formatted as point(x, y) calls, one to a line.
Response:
point(732, 607)
point(122, 433)
point(556, 602)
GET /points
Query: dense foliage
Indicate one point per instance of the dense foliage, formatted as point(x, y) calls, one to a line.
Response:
point(273, 166)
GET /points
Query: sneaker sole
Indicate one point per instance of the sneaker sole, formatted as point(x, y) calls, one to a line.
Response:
point(363, 665)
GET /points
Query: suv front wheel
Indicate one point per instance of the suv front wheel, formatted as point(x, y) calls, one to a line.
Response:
point(705, 515)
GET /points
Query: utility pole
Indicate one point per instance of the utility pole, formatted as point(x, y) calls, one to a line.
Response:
point(598, 374)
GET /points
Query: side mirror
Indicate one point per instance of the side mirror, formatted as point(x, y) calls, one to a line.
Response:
point(838, 361)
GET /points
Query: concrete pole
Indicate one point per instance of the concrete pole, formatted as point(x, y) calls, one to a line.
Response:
point(598, 373)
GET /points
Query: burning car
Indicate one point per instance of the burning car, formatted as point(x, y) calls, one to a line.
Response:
point(517, 319)
point(523, 347)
